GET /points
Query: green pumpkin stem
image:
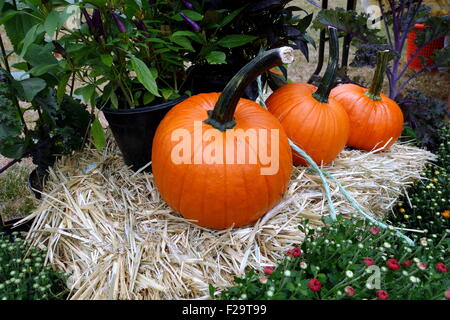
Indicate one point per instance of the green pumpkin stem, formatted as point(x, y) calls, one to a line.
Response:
point(324, 89)
point(378, 78)
point(222, 116)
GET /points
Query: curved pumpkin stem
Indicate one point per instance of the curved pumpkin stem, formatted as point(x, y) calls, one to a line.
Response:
point(378, 78)
point(222, 116)
point(323, 92)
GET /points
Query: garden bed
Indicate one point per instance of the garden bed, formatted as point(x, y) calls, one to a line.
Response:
point(108, 227)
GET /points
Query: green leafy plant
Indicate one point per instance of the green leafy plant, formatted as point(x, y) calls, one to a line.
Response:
point(59, 129)
point(399, 18)
point(24, 274)
point(40, 83)
point(129, 54)
point(344, 259)
point(268, 24)
point(424, 116)
point(427, 203)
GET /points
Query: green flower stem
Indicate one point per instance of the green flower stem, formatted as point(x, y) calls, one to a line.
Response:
point(345, 282)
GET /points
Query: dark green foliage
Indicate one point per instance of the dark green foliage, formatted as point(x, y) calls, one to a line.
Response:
point(424, 117)
point(24, 275)
point(335, 257)
point(12, 145)
point(274, 23)
point(427, 205)
point(348, 22)
point(60, 128)
point(366, 54)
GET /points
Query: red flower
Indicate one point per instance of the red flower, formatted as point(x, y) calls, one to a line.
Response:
point(407, 263)
point(382, 295)
point(349, 290)
point(393, 264)
point(314, 285)
point(369, 261)
point(269, 270)
point(441, 267)
point(374, 230)
point(296, 252)
point(447, 294)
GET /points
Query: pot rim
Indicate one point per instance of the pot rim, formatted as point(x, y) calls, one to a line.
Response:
point(146, 109)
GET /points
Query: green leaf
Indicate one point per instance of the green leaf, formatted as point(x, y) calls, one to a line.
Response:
point(290, 286)
point(52, 23)
point(20, 66)
point(305, 22)
point(148, 98)
point(107, 59)
point(7, 16)
point(42, 69)
point(86, 92)
point(13, 147)
point(215, 57)
point(183, 42)
point(194, 36)
point(62, 87)
point(114, 101)
point(31, 87)
point(144, 75)
point(193, 15)
point(167, 93)
point(38, 55)
point(30, 37)
point(350, 22)
point(235, 40)
point(98, 134)
point(18, 25)
point(230, 17)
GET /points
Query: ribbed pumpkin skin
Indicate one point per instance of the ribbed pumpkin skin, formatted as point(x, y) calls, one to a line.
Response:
point(218, 195)
point(372, 123)
point(320, 129)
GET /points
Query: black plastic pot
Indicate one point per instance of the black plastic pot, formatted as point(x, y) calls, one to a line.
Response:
point(214, 78)
point(134, 130)
point(36, 182)
point(7, 226)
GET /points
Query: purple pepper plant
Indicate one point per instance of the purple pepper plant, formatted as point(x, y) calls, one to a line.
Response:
point(128, 54)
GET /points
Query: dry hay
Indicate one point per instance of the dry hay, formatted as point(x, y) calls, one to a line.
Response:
point(108, 227)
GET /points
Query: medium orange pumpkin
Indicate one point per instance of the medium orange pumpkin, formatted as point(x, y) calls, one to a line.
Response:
point(225, 192)
point(314, 121)
point(376, 121)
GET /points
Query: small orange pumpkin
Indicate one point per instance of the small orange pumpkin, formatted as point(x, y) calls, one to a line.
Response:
point(223, 192)
point(376, 121)
point(314, 121)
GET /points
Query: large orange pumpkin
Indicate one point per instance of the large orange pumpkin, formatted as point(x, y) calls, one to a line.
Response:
point(205, 186)
point(376, 121)
point(314, 121)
